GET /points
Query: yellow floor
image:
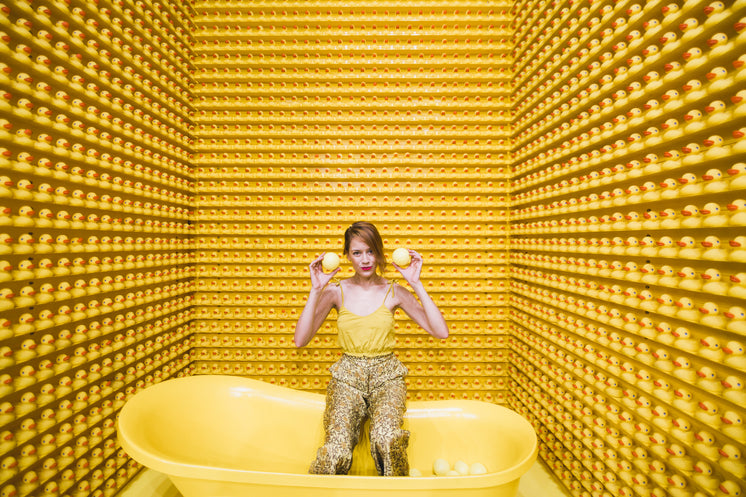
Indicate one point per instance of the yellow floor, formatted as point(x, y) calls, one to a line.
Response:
point(538, 481)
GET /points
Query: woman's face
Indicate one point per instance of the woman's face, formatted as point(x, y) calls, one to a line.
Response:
point(362, 257)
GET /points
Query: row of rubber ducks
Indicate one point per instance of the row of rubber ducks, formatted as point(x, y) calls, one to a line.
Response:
point(46, 268)
point(91, 475)
point(681, 337)
point(26, 217)
point(619, 450)
point(168, 299)
point(633, 409)
point(651, 424)
point(706, 313)
point(79, 371)
point(640, 376)
point(618, 144)
point(710, 280)
point(29, 296)
point(709, 215)
point(403, 173)
point(147, 95)
point(634, 114)
point(25, 190)
point(615, 36)
point(713, 181)
point(628, 49)
point(23, 110)
point(610, 426)
point(711, 248)
point(694, 92)
point(63, 244)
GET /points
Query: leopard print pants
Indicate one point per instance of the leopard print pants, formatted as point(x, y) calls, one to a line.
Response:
point(362, 388)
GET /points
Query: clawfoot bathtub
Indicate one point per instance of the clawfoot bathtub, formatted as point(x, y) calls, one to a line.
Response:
point(232, 436)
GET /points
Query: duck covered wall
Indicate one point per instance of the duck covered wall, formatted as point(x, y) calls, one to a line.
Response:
point(170, 169)
point(310, 116)
point(628, 255)
point(97, 193)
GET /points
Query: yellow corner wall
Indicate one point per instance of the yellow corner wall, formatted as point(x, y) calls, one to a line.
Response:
point(98, 264)
point(627, 247)
point(170, 169)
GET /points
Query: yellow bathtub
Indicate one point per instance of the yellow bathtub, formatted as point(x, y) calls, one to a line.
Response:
point(232, 436)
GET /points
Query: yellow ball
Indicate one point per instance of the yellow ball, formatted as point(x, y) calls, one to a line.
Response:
point(441, 467)
point(401, 257)
point(330, 262)
point(461, 468)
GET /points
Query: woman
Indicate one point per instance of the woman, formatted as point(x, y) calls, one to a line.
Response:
point(368, 381)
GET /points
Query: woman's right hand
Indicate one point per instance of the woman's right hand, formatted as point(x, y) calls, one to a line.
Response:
point(319, 279)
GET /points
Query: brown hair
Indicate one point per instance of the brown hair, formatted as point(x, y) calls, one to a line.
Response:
point(368, 233)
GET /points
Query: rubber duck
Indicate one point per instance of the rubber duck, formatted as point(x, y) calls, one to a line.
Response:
point(709, 414)
point(684, 400)
point(709, 381)
point(719, 45)
point(737, 320)
point(689, 279)
point(711, 316)
point(705, 445)
point(683, 370)
point(689, 249)
point(714, 251)
point(730, 460)
point(733, 426)
point(682, 431)
point(711, 349)
point(684, 340)
point(673, 101)
point(663, 390)
point(715, 12)
point(716, 148)
point(668, 279)
point(734, 355)
point(692, 217)
point(645, 383)
point(679, 459)
point(674, 70)
point(666, 247)
point(733, 391)
point(718, 113)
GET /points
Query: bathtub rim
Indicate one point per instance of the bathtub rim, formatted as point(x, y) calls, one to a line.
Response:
point(172, 467)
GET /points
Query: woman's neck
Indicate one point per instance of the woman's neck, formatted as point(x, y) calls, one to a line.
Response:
point(366, 282)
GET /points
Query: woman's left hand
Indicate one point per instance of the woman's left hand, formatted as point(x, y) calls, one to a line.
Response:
point(411, 273)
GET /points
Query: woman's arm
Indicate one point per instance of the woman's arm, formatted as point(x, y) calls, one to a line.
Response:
point(320, 301)
point(425, 312)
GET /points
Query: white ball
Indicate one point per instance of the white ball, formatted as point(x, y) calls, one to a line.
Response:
point(330, 262)
point(477, 469)
point(414, 472)
point(441, 467)
point(453, 472)
point(401, 257)
point(461, 468)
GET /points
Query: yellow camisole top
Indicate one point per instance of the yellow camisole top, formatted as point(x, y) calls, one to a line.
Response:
point(370, 335)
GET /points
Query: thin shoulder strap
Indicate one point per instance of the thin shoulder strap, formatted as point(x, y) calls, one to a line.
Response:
point(390, 290)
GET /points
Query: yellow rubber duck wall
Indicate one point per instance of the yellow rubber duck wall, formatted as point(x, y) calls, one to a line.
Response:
point(573, 173)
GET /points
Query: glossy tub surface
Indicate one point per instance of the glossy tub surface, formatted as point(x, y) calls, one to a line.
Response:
point(231, 436)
